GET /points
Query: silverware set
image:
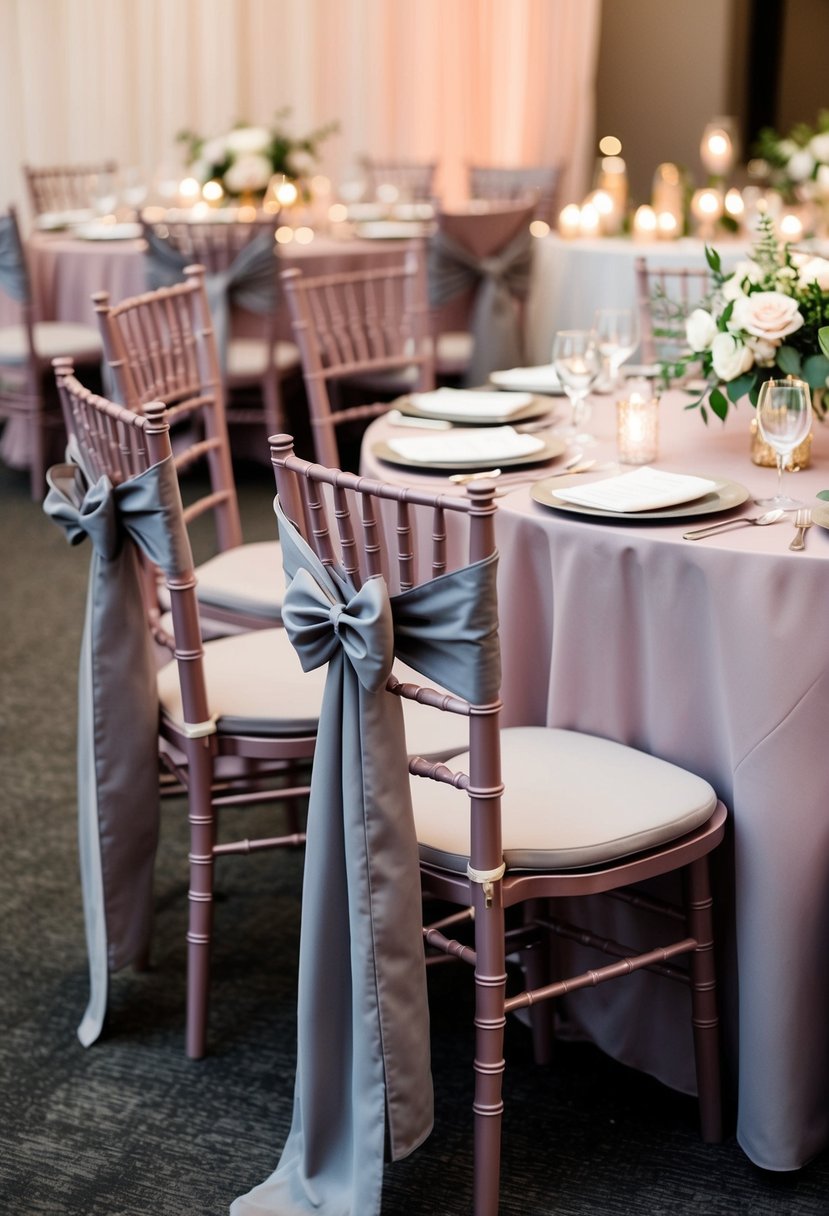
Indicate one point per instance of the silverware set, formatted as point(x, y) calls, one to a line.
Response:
point(802, 521)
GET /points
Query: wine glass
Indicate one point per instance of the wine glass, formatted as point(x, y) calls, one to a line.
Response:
point(103, 194)
point(617, 334)
point(577, 363)
point(784, 417)
point(134, 187)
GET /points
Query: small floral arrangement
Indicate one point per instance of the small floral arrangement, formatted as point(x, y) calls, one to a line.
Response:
point(245, 159)
point(767, 319)
point(800, 161)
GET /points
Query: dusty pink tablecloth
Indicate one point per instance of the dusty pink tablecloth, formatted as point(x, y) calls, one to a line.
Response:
point(710, 654)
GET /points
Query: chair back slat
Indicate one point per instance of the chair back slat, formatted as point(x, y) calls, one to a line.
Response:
point(666, 296)
point(496, 182)
point(64, 187)
point(438, 541)
point(405, 548)
point(413, 180)
point(160, 346)
point(348, 545)
point(347, 325)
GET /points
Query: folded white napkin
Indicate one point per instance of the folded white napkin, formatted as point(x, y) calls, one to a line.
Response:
point(60, 219)
point(644, 489)
point(541, 379)
point(487, 445)
point(460, 403)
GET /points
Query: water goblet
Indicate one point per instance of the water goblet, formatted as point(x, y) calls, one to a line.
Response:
point(784, 417)
point(103, 194)
point(577, 363)
point(617, 335)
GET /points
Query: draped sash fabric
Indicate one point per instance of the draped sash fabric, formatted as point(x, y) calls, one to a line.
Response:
point(363, 1024)
point(118, 805)
point(497, 280)
point(249, 282)
point(13, 278)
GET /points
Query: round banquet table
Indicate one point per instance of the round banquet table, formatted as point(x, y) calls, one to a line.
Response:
point(706, 653)
point(572, 278)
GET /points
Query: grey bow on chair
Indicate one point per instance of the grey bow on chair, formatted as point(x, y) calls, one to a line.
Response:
point(363, 1021)
point(500, 279)
point(12, 267)
point(249, 282)
point(118, 802)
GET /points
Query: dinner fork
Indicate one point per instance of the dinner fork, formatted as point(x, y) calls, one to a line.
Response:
point(802, 521)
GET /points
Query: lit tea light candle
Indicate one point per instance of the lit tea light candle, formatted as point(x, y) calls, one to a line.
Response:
point(539, 228)
point(189, 191)
point(338, 213)
point(569, 221)
point(212, 192)
point(284, 234)
point(644, 223)
point(286, 193)
point(667, 225)
point(304, 235)
point(706, 208)
point(734, 204)
point(590, 221)
point(637, 429)
point(791, 227)
point(716, 150)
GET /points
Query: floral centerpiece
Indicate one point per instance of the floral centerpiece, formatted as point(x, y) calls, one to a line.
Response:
point(767, 319)
point(799, 162)
point(245, 159)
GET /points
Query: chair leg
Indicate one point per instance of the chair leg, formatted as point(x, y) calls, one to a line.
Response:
point(535, 963)
point(490, 1019)
point(37, 454)
point(704, 1000)
point(272, 405)
point(200, 895)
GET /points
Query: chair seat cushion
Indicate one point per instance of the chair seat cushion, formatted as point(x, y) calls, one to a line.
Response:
point(249, 357)
point(571, 800)
point(51, 338)
point(247, 580)
point(256, 686)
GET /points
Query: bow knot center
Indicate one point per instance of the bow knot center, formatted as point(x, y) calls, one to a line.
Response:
point(334, 613)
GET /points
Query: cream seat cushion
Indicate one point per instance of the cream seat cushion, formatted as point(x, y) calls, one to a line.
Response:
point(570, 800)
point(249, 357)
point(256, 686)
point(51, 338)
point(247, 579)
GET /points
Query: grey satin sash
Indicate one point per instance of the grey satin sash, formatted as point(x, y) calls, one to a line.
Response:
point(499, 280)
point(12, 266)
point(249, 282)
point(118, 803)
point(363, 1020)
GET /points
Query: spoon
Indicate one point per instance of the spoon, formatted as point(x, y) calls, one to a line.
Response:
point(768, 517)
point(573, 465)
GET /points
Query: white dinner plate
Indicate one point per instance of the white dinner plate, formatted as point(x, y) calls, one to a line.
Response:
point(53, 221)
point(534, 408)
point(726, 496)
point(100, 231)
point(550, 448)
point(540, 379)
point(392, 230)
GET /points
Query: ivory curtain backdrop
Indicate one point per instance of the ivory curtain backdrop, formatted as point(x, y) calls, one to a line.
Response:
point(492, 81)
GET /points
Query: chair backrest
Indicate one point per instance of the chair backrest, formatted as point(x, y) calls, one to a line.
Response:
point(666, 296)
point(120, 444)
point(486, 230)
point(213, 244)
point(490, 181)
point(160, 346)
point(63, 187)
point(413, 180)
point(364, 321)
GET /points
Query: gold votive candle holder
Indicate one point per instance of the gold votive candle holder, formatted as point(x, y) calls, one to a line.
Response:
point(637, 428)
point(763, 454)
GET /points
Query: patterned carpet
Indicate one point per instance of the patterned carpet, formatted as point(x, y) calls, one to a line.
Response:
point(131, 1128)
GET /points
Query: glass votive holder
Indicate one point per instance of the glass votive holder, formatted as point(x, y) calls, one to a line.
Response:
point(637, 428)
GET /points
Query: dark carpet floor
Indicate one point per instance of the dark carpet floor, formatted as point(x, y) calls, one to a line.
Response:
point(130, 1127)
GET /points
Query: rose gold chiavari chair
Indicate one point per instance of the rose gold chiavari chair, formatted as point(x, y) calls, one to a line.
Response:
point(550, 813)
point(27, 398)
point(242, 699)
point(353, 326)
point(58, 189)
point(413, 180)
point(495, 182)
point(666, 296)
point(241, 272)
point(160, 346)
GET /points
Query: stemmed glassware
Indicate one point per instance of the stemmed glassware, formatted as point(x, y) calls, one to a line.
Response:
point(103, 193)
point(617, 335)
point(577, 363)
point(784, 417)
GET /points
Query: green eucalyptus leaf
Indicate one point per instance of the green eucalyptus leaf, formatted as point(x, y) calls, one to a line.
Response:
point(823, 339)
point(815, 370)
point(725, 316)
point(788, 360)
point(739, 387)
point(824, 494)
point(704, 414)
point(719, 403)
point(713, 259)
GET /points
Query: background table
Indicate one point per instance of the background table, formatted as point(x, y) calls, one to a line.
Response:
point(711, 654)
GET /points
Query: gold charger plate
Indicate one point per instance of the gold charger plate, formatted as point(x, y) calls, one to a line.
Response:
point(725, 497)
point(533, 409)
point(820, 513)
point(552, 447)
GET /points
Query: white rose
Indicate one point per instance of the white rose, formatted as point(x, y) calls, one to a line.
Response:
point(765, 352)
point(787, 148)
point(730, 358)
point(767, 314)
point(819, 146)
point(200, 169)
point(248, 173)
point(248, 140)
point(700, 328)
point(214, 150)
point(744, 272)
point(815, 270)
point(800, 165)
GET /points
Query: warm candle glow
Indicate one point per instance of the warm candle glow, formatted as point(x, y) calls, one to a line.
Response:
point(609, 145)
point(644, 223)
point(637, 429)
point(338, 213)
point(716, 150)
point(304, 236)
point(590, 220)
point(734, 204)
point(539, 228)
point(791, 227)
point(188, 191)
point(284, 235)
point(667, 225)
point(569, 220)
point(286, 193)
point(212, 191)
point(601, 200)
